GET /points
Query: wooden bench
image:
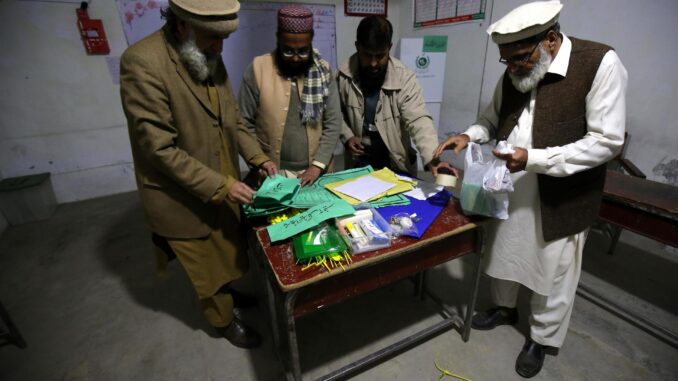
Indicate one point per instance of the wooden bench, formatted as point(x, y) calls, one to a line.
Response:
point(645, 207)
point(642, 206)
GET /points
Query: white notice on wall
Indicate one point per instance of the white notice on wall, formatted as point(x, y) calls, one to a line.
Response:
point(114, 68)
point(426, 57)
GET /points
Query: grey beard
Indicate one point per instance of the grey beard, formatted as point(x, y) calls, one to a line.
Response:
point(528, 82)
point(197, 63)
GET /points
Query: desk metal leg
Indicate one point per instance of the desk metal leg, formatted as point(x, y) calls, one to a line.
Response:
point(290, 357)
point(424, 280)
point(282, 314)
point(13, 336)
point(466, 331)
point(449, 322)
point(614, 238)
point(285, 310)
point(420, 284)
point(290, 325)
point(273, 310)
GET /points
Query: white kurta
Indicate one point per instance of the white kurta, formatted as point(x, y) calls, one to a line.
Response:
point(516, 246)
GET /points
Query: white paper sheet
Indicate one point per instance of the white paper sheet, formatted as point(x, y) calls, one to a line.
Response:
point(365, 188)
point(424, 190)
point(406, 178)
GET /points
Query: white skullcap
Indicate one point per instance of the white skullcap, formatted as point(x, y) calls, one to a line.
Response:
point(526, 21)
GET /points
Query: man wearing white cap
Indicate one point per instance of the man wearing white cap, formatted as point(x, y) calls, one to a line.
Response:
point(186, 131)
point(561, 104)
point(290, 100)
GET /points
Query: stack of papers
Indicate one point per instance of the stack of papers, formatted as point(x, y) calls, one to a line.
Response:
point(275, 195)
point(365, 188)
point(424, 190)
point(309, 219)
point(371, 186)
point(317, 193)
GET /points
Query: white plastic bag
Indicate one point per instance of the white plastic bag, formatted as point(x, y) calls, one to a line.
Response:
point(498, 177)
point(475, 199)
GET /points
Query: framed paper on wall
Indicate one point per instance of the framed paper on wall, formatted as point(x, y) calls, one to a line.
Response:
point(365, 7)
point(441, 12)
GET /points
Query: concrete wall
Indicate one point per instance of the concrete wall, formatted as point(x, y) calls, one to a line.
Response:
point(3, 223)
point(636, 30)
point(466, 47)
point(3, 220)
point(60, 111)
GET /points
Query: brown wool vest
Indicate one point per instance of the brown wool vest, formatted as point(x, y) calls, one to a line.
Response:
point(568, 204)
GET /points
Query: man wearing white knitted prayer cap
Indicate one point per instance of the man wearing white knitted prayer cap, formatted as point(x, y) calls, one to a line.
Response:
point(561, 104)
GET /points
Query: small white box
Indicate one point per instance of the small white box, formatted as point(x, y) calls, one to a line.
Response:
point(366, 230)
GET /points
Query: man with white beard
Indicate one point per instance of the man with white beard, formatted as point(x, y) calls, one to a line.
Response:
point(186, 132)
point(561, 104)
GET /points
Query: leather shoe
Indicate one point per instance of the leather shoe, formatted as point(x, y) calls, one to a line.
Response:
point(530, 359)
point(493, 317)
point(240, 335)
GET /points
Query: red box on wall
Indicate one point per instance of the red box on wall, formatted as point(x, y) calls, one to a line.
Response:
point(92, 32)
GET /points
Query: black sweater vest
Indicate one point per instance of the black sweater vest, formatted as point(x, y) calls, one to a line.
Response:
point(568, 204)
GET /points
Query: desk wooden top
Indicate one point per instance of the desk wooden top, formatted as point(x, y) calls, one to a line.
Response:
point(290, 276)
point(650, 196)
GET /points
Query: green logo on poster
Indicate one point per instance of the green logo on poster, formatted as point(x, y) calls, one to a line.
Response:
point(422, 62)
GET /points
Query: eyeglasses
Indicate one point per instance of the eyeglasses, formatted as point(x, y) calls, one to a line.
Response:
point(521, 59)
point(302, 53)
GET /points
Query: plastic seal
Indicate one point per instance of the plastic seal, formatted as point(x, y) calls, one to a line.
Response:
point(406, 222)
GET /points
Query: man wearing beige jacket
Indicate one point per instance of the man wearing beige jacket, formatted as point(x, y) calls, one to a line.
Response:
point(383, 107)
point(186, 131)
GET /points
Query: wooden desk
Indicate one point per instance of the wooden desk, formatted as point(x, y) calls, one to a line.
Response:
point(293, 293)
point(645, 207)
point(642, 206)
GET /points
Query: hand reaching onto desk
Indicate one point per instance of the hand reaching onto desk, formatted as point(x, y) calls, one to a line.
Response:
point(455, 142)
point(309, 176)
point(268, 168)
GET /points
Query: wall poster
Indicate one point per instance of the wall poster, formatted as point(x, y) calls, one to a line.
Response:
point(365, 7)
point(441, 12)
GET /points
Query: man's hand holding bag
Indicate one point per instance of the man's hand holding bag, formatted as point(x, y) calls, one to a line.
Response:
point(485, 185)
